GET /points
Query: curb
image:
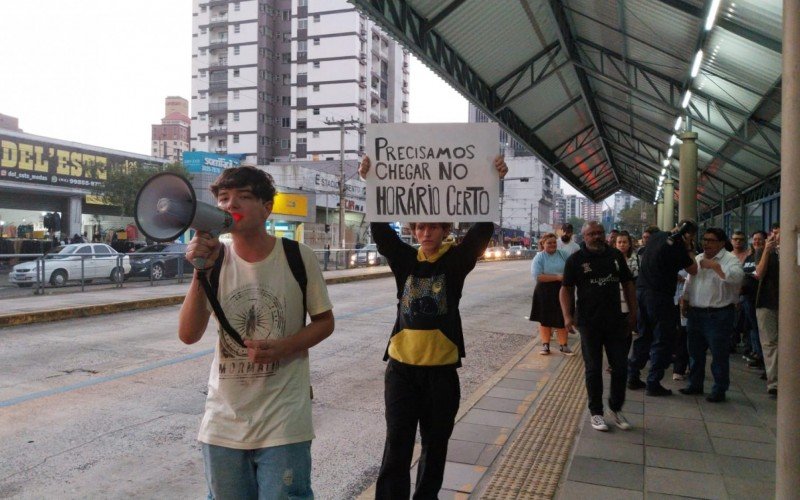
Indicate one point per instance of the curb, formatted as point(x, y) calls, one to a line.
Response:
point(27, 318)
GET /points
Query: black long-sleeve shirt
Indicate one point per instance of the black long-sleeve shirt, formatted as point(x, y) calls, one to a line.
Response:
point(428, 331)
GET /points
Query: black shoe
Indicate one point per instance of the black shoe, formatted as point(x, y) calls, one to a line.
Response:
point(636, 384)
point(763, 376)
point(716, 398)
point(756, 363)
point(773, 391)
point(689, 391)
point(658, 390)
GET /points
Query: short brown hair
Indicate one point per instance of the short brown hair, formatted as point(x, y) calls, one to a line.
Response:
point(260, 182)
point(446, 226)
point(545, 237)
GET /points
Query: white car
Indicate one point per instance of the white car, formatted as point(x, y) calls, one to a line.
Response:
point(64, 264)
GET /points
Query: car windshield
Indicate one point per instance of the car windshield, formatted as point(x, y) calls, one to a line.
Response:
point(62, 252)
point(151, 249)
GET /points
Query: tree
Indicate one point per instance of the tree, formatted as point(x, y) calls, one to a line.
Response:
point(636, 217)
point(577, 223)
point(124, 182)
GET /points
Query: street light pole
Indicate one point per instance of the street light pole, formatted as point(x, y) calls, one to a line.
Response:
point(342, 186)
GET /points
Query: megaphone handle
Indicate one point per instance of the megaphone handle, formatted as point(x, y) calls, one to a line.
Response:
point(199, 263)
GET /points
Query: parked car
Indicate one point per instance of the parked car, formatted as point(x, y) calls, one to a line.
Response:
point(63, 264)
point(516, 251)
point(367, 256)
point(495, 253)
point(159, 261)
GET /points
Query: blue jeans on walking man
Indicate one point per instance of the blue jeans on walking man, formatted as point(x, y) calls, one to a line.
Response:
point(709, 329)
point(657, 322)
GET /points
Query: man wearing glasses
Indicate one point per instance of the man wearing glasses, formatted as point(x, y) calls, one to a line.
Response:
point(708, 304)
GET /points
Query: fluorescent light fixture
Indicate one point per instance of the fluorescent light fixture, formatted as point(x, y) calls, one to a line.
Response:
point(673, 140)
point(669, 153)
point(678, 123)
point(696, 65)
point(686, 98)
point(666, 162)
point(712, 14)
point(663, 172)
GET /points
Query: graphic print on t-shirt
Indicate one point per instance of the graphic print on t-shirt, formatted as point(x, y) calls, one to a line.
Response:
point(257, 314)
point(424, 297)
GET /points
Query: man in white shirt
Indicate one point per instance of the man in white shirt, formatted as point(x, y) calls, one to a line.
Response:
point(708, 304)
point(256, 431)
point(565, 242)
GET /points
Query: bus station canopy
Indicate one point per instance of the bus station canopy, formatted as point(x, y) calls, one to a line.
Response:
point(595, 88)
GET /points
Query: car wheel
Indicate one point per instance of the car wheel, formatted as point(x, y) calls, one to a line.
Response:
point(157, 271)
point(24, 285)
point(117, 275)
point(58, 278)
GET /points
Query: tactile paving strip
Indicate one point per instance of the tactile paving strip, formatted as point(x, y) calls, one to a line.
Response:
point(533, 465)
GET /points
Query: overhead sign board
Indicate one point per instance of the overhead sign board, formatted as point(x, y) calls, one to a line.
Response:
point(199, 162)
point(432, 172)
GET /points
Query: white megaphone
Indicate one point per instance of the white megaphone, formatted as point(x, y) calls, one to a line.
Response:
point(166, 206)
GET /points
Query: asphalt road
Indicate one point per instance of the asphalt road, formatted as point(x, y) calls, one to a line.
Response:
point(108, 407)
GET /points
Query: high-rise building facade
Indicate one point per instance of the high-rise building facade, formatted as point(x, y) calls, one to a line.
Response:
point(621, 202)
point(170, 138)
point(275, 79)
point(592, 211)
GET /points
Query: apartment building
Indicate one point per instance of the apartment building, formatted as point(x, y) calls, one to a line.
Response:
point(170, 138)
point(277, 80)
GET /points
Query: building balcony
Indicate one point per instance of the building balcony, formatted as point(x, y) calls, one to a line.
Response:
point(219, 130)
point(216, 107)
point(215, 3)
point(218, 86)
point(221, 151)
point(217, 21)
point(218, 43)
point(219, 63)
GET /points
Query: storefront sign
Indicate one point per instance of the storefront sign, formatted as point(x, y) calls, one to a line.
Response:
point(36, 161)
point(432, 172)
point(290, 204)
point(201, 162)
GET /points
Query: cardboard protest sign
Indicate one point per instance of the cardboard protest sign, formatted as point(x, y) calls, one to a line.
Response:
point(432, 172)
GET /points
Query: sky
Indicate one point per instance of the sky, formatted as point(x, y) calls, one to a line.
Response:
point(97, 71)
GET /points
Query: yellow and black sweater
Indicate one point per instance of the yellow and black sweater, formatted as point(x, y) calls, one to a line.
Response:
point(427, 331)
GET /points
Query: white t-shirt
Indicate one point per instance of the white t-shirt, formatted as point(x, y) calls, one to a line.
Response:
point(253, 405)
point(570, 247)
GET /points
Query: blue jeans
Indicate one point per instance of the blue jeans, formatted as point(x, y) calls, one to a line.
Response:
point(657, 322)
point(263, 474)
point(709, 328)
point(749, 311)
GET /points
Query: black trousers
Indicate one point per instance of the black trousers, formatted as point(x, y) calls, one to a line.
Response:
point(428, 396)
point(615, 338)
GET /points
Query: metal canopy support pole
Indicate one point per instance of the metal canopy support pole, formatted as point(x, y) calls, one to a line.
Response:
point(669, 204)
point(687, 205)
point(660, 213)
point(787, 482)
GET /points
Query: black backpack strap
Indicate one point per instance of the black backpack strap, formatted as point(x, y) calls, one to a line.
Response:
point(211, 288)
point(295, 260)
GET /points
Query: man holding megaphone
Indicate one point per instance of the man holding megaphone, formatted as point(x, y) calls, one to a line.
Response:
point(256, 430)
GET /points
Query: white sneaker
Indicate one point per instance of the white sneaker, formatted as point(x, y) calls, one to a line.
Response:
point(678, 376)
point(565, 350)
point(620, 420)
point(598, 423)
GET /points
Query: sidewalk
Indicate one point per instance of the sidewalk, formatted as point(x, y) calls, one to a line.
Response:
point(57, 305)
point(524, 433)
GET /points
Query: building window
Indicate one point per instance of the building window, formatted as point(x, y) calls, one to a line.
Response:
point(316, 111)
point(301, 125)
point(236, 138)
point(287, 37)
point(235, 72)
point(286, 122)
point(202, 138)
point(316, 64)
point(203, 30)
point(203, 8)
point(302, 3)
point(237, 28)
point(202, 73)
point(286, 100)
point(236, 116)
point(302, 24)
point(284, 143)
point(287, 79)
point(236, 50)
point(202, 52)
point(237, 7)
point(235, 94)
point(316, 41)
point(315, 134)
point(202, 118)
point(301, 140)
point(286, 15)
point(315, 88)
point(286, 57)
point(316, 18)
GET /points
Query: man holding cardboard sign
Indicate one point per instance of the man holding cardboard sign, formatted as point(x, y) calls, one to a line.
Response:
point(426, 344)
